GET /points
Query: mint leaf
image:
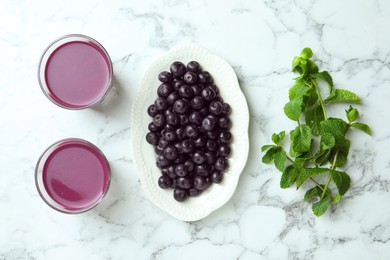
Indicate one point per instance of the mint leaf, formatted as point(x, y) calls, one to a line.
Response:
point(293, 109)
point(299, 89)
point(296, 65)
point(342, 151)
point(342, 95)
point(327, 141)
point(277, 138)
point(311, 67)
point(337, 198)
point(313, 117)
point(320, 207)
point(269, 155)
point(312, 193)
point(322, 157)
point(288, 177)
point(280, 158)
point(365, 128)
point(335, 126)
point(352, 114)
point(307, 173)
point(266, 147)
point(342, 181)
point(300, 139)
point(306, 53)
point(325, 76)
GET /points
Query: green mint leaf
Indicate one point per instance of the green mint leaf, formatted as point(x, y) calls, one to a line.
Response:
point(288, 177)
point(322, 157)
point(297, 64)
point(313, 117)
point(306, 53)
point(311, 67)
point(327, 141)
point(342, 181)
point(342, 151)
point(365, 128)
point(325, 76)
point(299, 89)
point(293, 109)
point(266, 147)
point(342, 95)
point(337, 198)
point(306, 173)
point(320, 207)
point(335, 126)
point(311, 98)
point(312, 193)
point(277, 138)
point(269, 155)
point(280, 158)
point(300, 139)
point(352, 114)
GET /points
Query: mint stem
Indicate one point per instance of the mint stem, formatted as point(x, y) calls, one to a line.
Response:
point(320, 98)
point(330, 175)
point(311, 178)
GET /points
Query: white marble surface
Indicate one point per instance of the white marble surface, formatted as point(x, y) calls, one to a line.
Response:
point(259, 39)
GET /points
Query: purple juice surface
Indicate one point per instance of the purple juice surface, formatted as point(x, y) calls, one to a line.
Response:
point(76, 176)
point(77, 74)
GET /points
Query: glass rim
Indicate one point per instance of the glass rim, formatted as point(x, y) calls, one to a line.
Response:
point(54, 45)
point(39, 183)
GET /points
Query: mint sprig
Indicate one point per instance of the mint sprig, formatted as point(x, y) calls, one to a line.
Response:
point(318, 145)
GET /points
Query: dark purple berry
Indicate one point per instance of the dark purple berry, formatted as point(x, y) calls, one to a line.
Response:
point(180, 106)
point(210, 157)
point(224, 150)
point(225, 137)
point(189, 165)
point(215, 107)
point(177, 83)
point(198, 157)
point(161, 161)
point(205, 77)
point(221, 164)
point(159, 120)
point(152, 111)
point(161, 104)
point(186, 92)
point(153, 128)
point(208, 123)
point(187, 145)
point(190, 78)
point(165, 76)
point(164, 182)
point(200, 141)
point(199, 182)
point(152, 138)
point(170, 135)
point(193, 66)
point(217, 176)
point(211, 145)
point(164, 90)
point(180, 194)
point(191, 131)
point(181, 170)
point(183, 183)
point(197, 89)
point(178, 69)
point(172, 119)
point(170, 153)
point(226, 108)
point(202, 170)
point(224, 123)
point(195, 118)
point(208, 93)
point(197, 102)
point(192, 192)
point(172, 98)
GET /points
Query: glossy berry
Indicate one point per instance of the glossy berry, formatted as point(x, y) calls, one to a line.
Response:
point(202, 170)
point(195, 118)
point(181, 170)
point(159, 120)
point(197, 102)
point(224, 150)
point(177, 83)
point(180, 194)
point(225, 137)
point(178, 69)
point(172, 98)
point(186, 92)
point(205, 77)
point(208, 123)
point(190, 78)
point(187, 145)
point(193, 66)
point(208, 94)
point(161, 161)
point(216, 176)
point(224, 123)
point(165, 77)
point(152, 138)
point(180, 106)
point(170, 135)
point(198, 157)
point(164, 182)
point(172, 119)
point(221, 164)
point(215, 107)
point(152, 127)
point(199, 182)
point(184, 183)
point(152, 111)
point(191, 131)
point(200, 141)
point(164, 90)
point(170, 152)
point(161, 104)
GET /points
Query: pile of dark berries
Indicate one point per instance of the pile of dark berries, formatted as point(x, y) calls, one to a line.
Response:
point(189, 130)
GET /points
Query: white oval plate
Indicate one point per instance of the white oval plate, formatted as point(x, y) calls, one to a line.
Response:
point(194, 208)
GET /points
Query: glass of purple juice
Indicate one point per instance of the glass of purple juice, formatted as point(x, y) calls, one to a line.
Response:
point(75, 72)
point(72, 175)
